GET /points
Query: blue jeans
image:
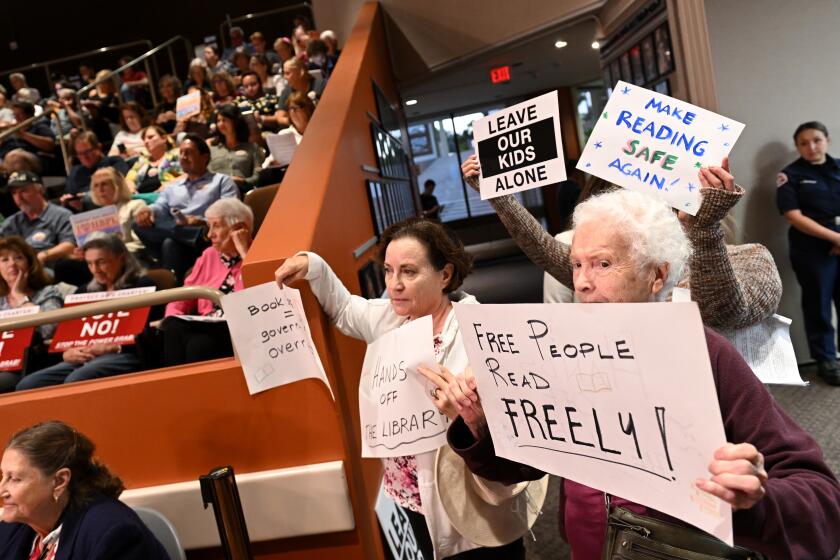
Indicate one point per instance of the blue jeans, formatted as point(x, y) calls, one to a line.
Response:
point(105, 365)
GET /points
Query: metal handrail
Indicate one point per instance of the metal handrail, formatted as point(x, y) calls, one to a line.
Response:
point(46, 64)
point(23, 124)
point(230, 21)
point(111, 305)
point(145, 59)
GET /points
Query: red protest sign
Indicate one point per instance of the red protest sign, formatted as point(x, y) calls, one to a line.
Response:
point(13, 344)
point(118, 327)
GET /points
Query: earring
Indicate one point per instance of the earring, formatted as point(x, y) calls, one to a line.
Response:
point(55, 498)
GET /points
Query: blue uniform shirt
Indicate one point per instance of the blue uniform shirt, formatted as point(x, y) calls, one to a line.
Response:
point(815, 191)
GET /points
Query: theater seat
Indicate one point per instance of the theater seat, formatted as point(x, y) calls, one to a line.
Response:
point(163, 278)
point(259, 200)
point(163, 531)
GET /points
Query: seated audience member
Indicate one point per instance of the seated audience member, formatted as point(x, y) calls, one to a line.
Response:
point(37, 138)
point(300, 38)
point(16, 160)
point(61, 502)
point(103, 103)
point(297, 79)
point(256, 101)
point(198, 75)
point(735, 286)
point(170, 91)
point(429, 202)
point(773, 474)
point(261, 65)
point(128, 142)
point(22, 91)
point(88, 150)
point(231, 153)
point(43, 225)
point(172, 229)
point(113, 268)
point(241, 65)
point(300, 109)
point(70, 117)
point(135, 84)
point(7, 116)
point(201, 123)
point(317, 55)
point(237, 42)
point(108, 187)
point(224, 90)
point(260, 46)
point(87, 74)
point(284, 49)
point(329, 37)
point(230, 225)
point(215, 63)
point(24, 283)
point(152, 172)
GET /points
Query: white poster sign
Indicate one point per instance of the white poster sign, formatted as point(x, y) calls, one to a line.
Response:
point(282, 146)
point(653, 143)
point(618, 397)
point(188, 105)
point(396, 527)
point(767, 348)
point(271, 336)
point(520, 148)
point(395, 402)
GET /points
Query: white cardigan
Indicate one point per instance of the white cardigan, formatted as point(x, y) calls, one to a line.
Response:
point(368, 319)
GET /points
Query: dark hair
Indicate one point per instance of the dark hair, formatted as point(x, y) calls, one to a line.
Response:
point(199, 142)
point(51, 446)
point(301, 20)
point(442, 247)
point(429, 182)
point(263, 60)
point(215, 48)
point(255, 75)
point(88, 136)
point(162, 132)
point(176, 83)
point(810, 125)
point(240, 126)
point(239, 52)
point(136, 108)
point(316, 46)
point(301, 100)
point(113, 243)
point(38, 277)
point(25, 106)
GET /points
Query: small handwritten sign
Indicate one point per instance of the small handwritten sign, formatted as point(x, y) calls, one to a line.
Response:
point(103, 219)
point(653, 143)
point(520, 148)
point(117, 327)
point(395, 402)
point(269, 331)
point(600, 394)
point(188, 105)
point(13, 344)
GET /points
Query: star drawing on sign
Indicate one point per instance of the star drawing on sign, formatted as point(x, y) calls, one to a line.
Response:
point(588, 165)
point(605, 115)
point(598, 145)
point(626, 90)
point(691, 186)
point(724, 127)
point(698, 165)
point(726, 144)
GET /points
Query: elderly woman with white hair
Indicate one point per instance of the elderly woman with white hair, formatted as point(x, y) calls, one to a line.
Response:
point(230, 226)
point(630, 247)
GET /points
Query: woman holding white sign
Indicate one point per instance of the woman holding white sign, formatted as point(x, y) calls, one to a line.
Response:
point(424, 267)
point(735, 286)
point(627, 248)
point(113, 268)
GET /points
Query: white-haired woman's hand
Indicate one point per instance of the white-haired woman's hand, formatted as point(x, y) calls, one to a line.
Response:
point(292, 269)
point(717, 177)
point(738, 475)
point(456, 395)
point(241, 237)
point(471, 170)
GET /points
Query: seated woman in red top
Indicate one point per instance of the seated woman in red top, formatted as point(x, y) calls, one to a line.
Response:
point(230, 225)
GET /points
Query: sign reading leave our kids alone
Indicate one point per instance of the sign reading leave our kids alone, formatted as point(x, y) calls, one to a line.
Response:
point(520, 148)
point(650, 142)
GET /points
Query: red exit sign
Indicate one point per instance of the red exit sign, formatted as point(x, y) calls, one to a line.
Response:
point(500, 74)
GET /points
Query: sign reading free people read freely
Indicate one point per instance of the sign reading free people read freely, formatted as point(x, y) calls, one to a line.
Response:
point(271, 336)
point(397, 413)
point(604, 395)
point(649, 142)
point(520, 148)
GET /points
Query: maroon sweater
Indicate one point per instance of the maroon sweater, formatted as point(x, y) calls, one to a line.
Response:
point(799, 517)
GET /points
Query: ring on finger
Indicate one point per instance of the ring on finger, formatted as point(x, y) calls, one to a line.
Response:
point(434, 392)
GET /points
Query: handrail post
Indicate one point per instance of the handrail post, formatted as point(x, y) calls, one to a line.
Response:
point(65, 156)
point(152, 82)
point(49, 78)
point(171, 60)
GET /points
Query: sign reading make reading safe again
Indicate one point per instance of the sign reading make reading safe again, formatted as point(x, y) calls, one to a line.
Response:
point(520, 147)
point(653, 143)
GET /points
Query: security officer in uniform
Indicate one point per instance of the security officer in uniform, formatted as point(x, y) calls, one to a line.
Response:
point(808, 196)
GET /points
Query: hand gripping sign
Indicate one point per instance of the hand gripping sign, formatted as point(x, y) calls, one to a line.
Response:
point(13, 344)
point(649, 142)
point(117, 327)
point(601, 394)
point(520, 148)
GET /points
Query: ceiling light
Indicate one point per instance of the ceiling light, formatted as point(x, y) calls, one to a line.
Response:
point(560, 44)
point(596, 45)
point(411, 102)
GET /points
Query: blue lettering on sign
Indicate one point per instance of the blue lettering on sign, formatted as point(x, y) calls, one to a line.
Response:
point(642, 127)
point(646, 177)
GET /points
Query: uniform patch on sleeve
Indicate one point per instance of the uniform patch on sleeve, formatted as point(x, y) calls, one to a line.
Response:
point(781, 179)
